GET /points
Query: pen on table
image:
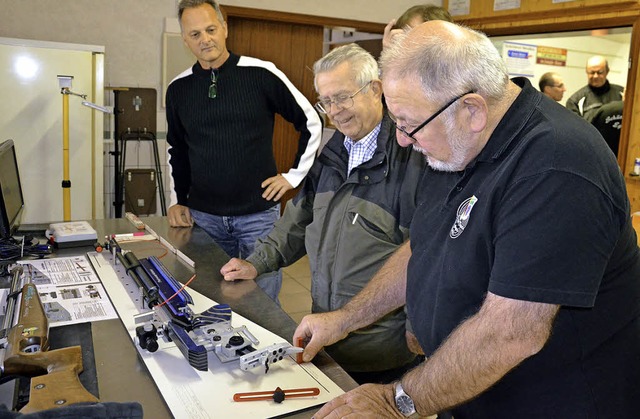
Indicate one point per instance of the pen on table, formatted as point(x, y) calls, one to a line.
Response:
point(127, 235)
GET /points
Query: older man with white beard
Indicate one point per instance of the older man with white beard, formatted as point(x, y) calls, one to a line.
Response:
point(521, 276)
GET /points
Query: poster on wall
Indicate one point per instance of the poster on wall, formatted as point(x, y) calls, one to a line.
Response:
point(459, 7)
point(551, 56)
point(505, 5)
point(520, 58)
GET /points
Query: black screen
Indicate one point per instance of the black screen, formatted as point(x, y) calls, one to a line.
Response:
point(11, 199)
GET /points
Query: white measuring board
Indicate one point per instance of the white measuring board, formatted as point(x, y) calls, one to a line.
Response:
point(194, 394)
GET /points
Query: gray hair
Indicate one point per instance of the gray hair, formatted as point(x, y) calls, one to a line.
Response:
point(188, 4)
point(363, 65)
point(445, 68)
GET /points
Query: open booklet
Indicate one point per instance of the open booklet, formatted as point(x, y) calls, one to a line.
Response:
point(69, 289)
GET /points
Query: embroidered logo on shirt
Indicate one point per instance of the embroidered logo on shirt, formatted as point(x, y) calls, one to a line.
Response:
point(462, 217)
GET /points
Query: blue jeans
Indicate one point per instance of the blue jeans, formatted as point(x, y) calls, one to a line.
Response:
point(237, 235)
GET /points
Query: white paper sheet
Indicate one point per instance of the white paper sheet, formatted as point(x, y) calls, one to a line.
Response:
point(69, 289)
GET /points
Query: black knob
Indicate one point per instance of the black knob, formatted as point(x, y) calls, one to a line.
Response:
point(236, 341)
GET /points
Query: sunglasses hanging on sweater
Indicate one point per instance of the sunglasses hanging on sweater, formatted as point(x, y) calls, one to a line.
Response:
point(213, 89)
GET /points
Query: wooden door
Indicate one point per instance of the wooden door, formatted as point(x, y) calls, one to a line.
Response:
point(293, 48)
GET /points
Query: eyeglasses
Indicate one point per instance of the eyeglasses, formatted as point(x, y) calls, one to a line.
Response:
point(559, 86)
point(343, 102)
point(431, 118)
point(599, 72)
point(213, 89)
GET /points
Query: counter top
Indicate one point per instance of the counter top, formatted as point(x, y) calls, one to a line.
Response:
point(119, 363)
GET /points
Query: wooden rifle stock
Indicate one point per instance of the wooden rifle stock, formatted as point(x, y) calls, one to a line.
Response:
point(54, 381)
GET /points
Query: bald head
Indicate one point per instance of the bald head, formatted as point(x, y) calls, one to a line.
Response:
point(597, 70)
point(597, 60)
point(447, 59)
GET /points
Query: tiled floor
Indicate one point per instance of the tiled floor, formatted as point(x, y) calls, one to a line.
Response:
point(295, 295)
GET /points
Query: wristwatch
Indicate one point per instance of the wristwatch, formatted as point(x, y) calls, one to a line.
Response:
point(404, 402)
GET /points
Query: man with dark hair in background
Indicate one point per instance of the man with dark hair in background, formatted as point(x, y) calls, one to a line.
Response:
point(220, 116)
point(552, 85)
point(411, 18)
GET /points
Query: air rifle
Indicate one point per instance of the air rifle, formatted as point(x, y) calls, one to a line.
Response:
point(168, 315)
point(24, 351)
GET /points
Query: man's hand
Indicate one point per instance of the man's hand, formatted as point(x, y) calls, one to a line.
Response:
point(179, 216)
point(320, 330)
point(238, 269)
point(389, 34)
point(366, 401)
point(275, 187)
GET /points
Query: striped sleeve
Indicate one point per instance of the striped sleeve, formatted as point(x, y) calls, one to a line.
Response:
point(299, 112)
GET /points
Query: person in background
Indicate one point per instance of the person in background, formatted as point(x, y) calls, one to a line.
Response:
point(521, 274)
point(352, 213)
point(411, 18)
point(597, 92)
point(608, 120)
point(552, 85)
point(220, 116)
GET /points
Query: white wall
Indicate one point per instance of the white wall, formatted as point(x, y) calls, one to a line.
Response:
point(31, 113)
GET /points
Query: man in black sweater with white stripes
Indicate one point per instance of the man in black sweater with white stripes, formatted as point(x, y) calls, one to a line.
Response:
point(220, 116)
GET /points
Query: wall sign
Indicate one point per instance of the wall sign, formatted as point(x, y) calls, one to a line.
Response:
point(551, 56)
point(520, 58)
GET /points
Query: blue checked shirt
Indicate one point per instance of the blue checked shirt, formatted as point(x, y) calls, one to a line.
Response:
point(361, 151)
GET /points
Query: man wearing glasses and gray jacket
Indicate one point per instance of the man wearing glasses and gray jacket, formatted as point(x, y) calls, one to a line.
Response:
point(352, 213)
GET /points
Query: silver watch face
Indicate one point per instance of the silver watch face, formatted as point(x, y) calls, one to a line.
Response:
point(405, 404)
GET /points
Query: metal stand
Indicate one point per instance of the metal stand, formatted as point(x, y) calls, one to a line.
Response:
point(124, 139)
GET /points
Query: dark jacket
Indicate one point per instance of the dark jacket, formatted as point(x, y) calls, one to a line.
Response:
point(587, 100)
point(349, 227)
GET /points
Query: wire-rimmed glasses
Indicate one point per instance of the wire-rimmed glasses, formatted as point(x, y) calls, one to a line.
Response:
point(431, 118)
point(343, 101)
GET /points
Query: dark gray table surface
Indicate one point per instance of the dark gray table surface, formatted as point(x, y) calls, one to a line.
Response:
point(122, 376)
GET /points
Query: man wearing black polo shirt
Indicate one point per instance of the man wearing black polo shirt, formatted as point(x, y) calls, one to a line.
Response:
point(522, 276)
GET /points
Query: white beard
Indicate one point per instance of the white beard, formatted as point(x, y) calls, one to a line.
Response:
point(458, 145)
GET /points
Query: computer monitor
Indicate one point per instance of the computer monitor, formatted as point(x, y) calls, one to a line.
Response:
point(11, 198)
